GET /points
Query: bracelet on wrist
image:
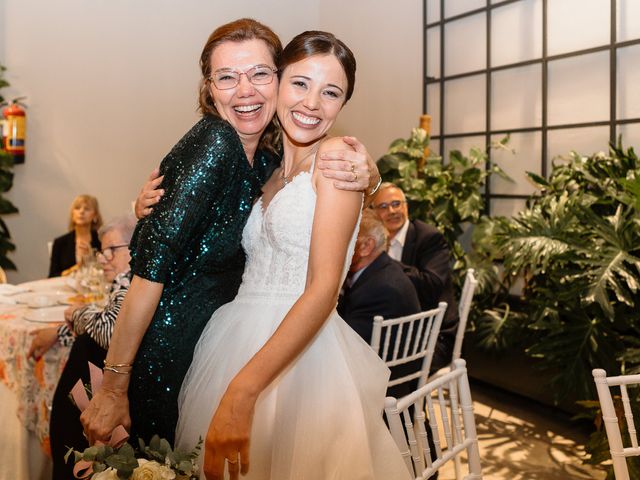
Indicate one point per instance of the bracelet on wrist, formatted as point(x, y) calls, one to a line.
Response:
point(115, 370)
point(117, 365)
point(375, 189)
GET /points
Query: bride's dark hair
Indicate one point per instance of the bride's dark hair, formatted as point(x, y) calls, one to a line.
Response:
point(314, 42)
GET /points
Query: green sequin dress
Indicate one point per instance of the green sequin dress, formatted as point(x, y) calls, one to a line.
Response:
point(191, 244)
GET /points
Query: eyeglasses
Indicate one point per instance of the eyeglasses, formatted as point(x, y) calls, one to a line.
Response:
point(227, 78)
point(387, 205)
point(107, 253)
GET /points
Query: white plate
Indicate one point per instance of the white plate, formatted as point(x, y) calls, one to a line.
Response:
point(8, 289)
point(46, 315)
point(41, 299)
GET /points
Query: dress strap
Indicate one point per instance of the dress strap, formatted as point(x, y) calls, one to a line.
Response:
point(313, 158)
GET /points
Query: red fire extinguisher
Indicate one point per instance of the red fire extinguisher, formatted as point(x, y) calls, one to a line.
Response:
point(14, 129)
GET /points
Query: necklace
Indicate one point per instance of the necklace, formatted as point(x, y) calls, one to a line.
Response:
point(286, 179)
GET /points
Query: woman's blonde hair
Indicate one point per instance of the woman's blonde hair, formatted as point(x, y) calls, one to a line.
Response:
point(92, 202)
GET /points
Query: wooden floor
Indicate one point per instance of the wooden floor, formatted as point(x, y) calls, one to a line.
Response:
point(522, 440)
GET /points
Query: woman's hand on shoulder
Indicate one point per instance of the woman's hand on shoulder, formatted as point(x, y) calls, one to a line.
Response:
point(149, 195)
point(349, 164)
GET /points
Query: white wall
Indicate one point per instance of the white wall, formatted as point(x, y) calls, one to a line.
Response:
point(111, 85)
point(386, 38)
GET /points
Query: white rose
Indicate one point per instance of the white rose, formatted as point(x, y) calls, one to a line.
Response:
point(108, 474)
point(152, 471)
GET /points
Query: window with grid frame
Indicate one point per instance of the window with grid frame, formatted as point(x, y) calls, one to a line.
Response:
point(557, 75)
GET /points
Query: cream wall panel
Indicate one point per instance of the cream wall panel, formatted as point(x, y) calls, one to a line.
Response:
point(465, 45)
point(577, 24)
point(465, 101)
point(628, 13)
point(456, 7)
point(628, 81)
point(516, 32)
point(516, 98)
point(579, 89)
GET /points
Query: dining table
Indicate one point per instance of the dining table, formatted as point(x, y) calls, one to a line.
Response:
point(27, 385)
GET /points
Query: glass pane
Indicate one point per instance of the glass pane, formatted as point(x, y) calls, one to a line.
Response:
point(516, 32)
point(585, 141)
point(628, 81)
point(630, 135)
point(433, 11)
point(465, 101)
point(507, 207)
point(434, 147)
point(628, 25)
point(577, 24)
point(464, 144)
point(433, 107)
point(579, 89)
point(465, 45)
point(433, 52)
point(527, 158)
point(456, 7)
point(516, 98)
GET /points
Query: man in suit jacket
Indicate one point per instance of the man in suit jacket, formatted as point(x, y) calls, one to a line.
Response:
point(376, 285)
point(426, 260)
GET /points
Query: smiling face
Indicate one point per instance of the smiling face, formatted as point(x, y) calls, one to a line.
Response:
point(247, 107)
point(312, 93)
point(392, 217)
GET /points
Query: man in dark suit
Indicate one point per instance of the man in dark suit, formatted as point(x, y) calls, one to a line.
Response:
point(376, 285)
point(426, 260)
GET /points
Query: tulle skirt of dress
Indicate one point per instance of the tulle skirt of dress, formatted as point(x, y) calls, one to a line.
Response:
point(320, 420)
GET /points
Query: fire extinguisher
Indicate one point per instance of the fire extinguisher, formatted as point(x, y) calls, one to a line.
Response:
point(14, 129)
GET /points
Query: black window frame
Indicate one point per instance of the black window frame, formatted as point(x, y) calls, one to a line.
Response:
point(612, 47)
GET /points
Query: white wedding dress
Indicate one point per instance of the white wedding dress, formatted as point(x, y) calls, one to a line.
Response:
point(321, 419)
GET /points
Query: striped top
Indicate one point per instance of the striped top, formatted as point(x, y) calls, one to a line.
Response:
point(95, 321)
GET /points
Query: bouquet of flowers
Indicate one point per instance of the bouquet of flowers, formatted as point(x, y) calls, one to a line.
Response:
point(156, 461)
point(118, 460)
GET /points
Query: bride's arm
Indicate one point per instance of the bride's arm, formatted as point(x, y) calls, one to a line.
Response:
point(336, 214)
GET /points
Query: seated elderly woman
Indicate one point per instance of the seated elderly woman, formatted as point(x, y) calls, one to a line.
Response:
point(84, 221)
point(89, 328)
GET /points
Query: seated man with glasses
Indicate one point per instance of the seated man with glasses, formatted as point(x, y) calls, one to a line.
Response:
point(425, 258)
point(89, 329)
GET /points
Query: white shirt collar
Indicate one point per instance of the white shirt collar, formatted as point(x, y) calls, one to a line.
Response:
point(396, 245)
point(401, 236)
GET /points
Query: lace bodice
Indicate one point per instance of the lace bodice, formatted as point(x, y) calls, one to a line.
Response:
point(277, 239)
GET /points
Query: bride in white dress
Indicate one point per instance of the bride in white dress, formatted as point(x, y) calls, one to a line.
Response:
point(280, 387)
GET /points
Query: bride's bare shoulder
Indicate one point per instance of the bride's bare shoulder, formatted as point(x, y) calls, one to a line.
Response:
point(333, 143)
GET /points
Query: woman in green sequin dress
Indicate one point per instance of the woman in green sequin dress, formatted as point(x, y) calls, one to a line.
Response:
point(186, 256)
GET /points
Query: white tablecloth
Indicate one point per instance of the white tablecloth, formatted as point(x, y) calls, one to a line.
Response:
point(26, 389)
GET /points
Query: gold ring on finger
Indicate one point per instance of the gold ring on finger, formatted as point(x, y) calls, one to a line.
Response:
point(355, 176)
point(353, 167)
